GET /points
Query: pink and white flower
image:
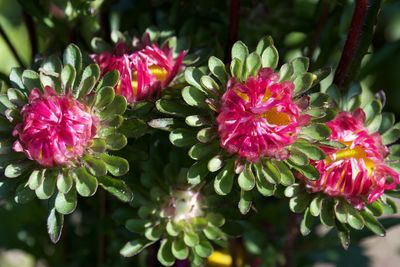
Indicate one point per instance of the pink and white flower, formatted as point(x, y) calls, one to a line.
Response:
point(258, 117)
point(55, 129)
point(357, 172)
point(143, 74)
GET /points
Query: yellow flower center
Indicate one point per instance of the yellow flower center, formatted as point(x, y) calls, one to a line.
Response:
point(355, 153)
point(273, 116)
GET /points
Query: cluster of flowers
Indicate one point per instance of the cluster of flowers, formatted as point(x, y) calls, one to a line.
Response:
point(254, 122)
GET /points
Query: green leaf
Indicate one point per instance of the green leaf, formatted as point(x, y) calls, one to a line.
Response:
point(47, 188)
point(193, 76)
point(16, 97)
point(215, 163)
point(375, 124)
point(104, 96)
point(300, 65)
point(213, 233)
point(253, 64)
point(16, 78)
point(270, 57)
point(246, 199)
point(287, 177)
point(66, 203)
point(216, 219)
point(217, 68)
point(14, 170)
point(64, 182)
point(35, 179)
point(391, 136)
point(191, 238)
point(174, 107)
point(293, 190)
point(236, 68)
point(197, 172)
point(373, 224)
point(327, 215)
point(265, 187)
point(209, 84)
point(388, 119)
point(86, 184)
point(309, 150)
point(116, 141)
point(116, 187)
point(315, 206)
point(110, 79)
point(298, 158)
point(55, 222)
point(98, 145)
point(196, 121)
point(117, 166)
point(203, 249)
point(154, 232)
point(306, 223)
point(194, 97)
point(118, 106)
point(135, 247)
point(240, 51)
point(317, 131)
point(95, 166)
point(224, 180)
point(179, 249)
point(172, 229)
point(166, 124)
point(182, 137)
point(299, 203)
point(343, 234)
point(23, 194)
point(286, 72)
point(137, 225)
point(341, 211)
point(73, 56)
point(246, 179)
point(308, 171)
point(271, 172)
point(164, 254)
point(68, 75)
point(206, 135)
point(371, 110)
point(31, 80)
point(355, 219)
point(303, 82)
point(263, 44)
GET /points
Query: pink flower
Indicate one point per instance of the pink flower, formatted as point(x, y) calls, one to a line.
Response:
point(55, 129)
point(358, 171)
point(258, 117)
point(143, 74)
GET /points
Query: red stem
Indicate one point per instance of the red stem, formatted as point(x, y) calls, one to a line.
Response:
point(233, 28)
point(358, 40)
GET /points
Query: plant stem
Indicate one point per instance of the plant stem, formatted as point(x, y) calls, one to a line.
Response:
point(358, 40)
point(12, 48)
point(30, 25)
point(233, 28)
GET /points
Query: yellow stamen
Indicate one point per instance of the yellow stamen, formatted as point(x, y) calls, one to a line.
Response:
point(276, 117)
point(160, 73)
point(356, 153)
point(267, 95)
point(242, 95)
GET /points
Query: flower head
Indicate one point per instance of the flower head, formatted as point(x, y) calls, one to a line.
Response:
point(143, 73)
point(358, 171)
point(258, 117)
point(55, 129)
